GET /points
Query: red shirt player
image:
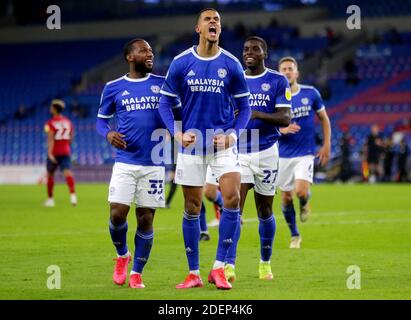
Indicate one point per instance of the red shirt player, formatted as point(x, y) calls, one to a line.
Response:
point(59, 131)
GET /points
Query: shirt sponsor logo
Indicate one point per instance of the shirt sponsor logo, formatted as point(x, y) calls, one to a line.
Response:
point(259, 99)
point(141, 103)
point(205, 85)
point(303, 111)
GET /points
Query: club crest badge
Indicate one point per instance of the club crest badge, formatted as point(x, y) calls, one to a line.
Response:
point(155, 89)
point(222, 73)
point(265, 87)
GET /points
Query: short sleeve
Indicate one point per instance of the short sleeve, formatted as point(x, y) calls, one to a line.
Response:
point(107, 104)
point(318, 104)
point(171, 83)
point(48, 127)
point(283, 94)
point(238, 84)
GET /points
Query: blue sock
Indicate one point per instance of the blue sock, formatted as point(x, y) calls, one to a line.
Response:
point(266, 229)
point(289, 215)
point(228, 224)
point(232, 251)
point(203, 220)
point(191, 233)
point(143, 242)
point(119, 237)
point(219, 199)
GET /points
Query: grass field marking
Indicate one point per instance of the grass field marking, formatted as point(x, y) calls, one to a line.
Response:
point(356, 212)
point(369, 221)
point(349, 213)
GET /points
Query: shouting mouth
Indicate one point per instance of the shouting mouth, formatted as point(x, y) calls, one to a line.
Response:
point(212, 30)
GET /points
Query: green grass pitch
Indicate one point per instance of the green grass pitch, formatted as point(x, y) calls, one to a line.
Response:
point(363, 225)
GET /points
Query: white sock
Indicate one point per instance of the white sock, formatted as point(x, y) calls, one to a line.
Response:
point(133, 272)
point(218, 264)
point(261, 261)
point(196, 272)
point(125, 255)
point(231, 265)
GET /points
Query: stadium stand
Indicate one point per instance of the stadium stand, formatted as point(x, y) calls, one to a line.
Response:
point(373, 87)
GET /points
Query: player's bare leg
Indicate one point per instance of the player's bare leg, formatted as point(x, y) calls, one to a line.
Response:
point(68, 175)
point(230, 190)
point(229, 267)
point(289, 215)
point(302, 190)
point(191, 232)
point(266, 229)
point(143, 241)
point(172, 191)
point(118, 231)
point(211, 193)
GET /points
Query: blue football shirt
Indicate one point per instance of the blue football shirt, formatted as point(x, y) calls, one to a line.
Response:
point(304, 104)
point(268, 91)
point(205, 87)
point(135, 104)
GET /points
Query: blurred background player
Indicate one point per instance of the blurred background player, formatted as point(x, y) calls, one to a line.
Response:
point(403, 152)
point(59, 131)
point(136, 177)
point(206, 78)
point(171, 170)
point(213, 194)
point(270, 100)
point(374, 148)
point(298, 149)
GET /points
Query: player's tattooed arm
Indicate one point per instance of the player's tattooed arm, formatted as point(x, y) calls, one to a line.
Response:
point(116, 139)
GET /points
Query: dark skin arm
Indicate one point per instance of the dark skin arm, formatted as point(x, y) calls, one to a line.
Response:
point(281, 118)
point(116, 140)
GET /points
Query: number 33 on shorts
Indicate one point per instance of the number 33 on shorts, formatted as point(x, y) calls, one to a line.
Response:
point(156, 187)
